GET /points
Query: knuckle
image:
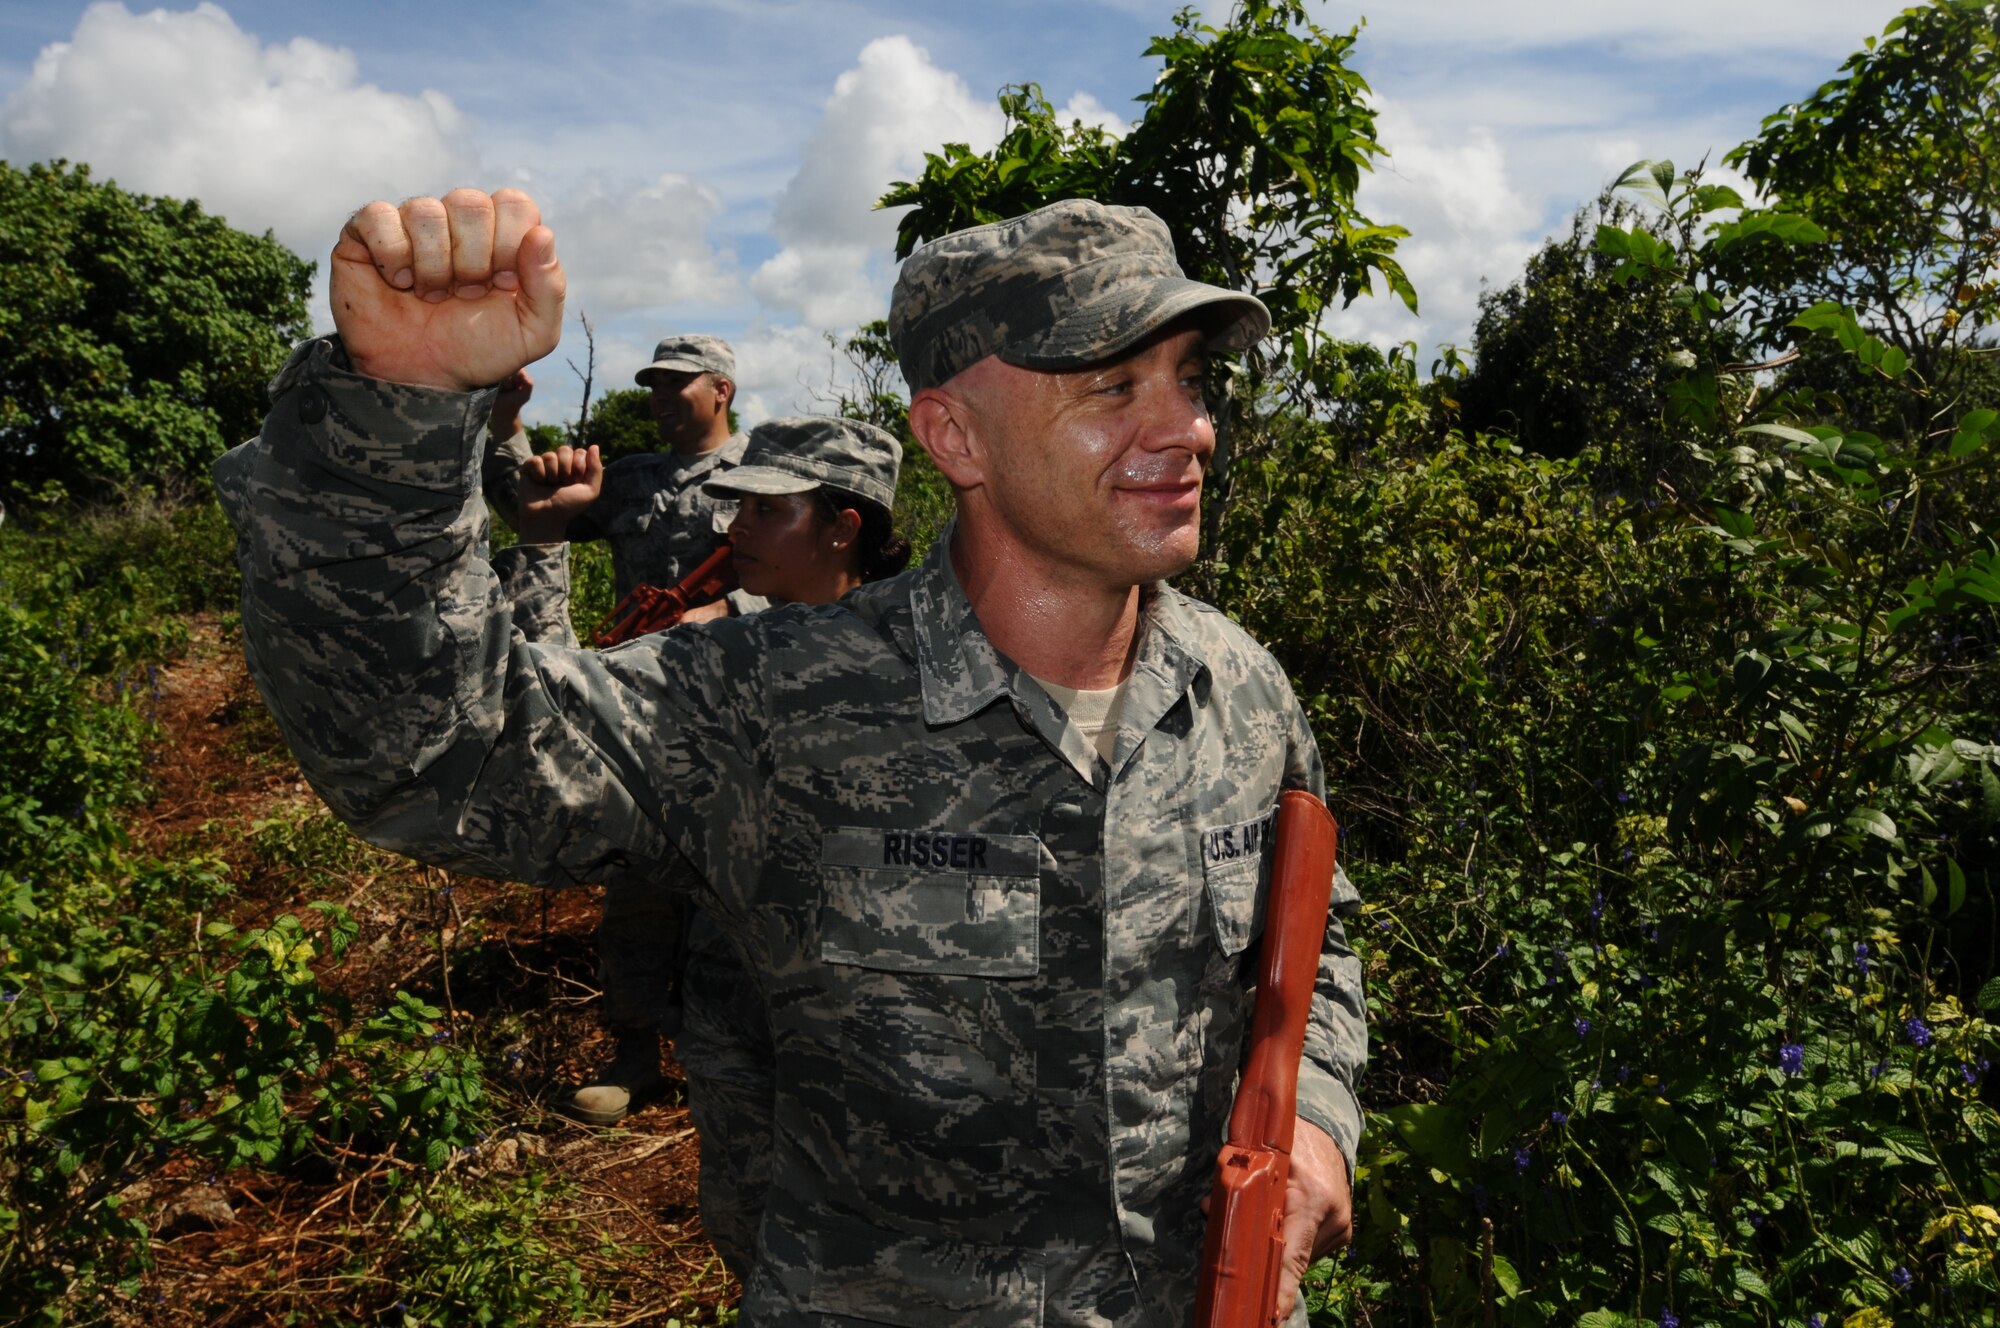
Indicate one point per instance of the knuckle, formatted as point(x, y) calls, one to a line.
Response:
point(423, 208)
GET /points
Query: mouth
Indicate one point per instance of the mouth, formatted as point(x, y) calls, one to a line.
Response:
point(1167, 494)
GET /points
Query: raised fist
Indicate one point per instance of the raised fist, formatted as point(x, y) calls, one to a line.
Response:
point(554, 488)
point(456, 292)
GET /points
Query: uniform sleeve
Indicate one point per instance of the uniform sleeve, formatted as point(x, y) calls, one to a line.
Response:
point(500, 472)
point(535, 580)
point(386, 651)
point(1337, 1033)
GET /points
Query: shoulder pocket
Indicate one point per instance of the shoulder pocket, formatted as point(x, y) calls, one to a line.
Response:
point(931, 901)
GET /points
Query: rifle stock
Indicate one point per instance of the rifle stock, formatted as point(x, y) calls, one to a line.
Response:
point(650, 609)
point(1243, 1253)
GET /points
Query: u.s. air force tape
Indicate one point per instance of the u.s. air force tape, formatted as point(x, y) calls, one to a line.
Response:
point(1234, 843)
point(934, 850)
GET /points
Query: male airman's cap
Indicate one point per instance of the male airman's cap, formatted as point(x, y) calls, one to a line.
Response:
point(1062, 287)
point(799, 454)
point(691, 354)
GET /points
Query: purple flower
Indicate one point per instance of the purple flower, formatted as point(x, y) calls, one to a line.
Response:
point(1597, 906)
point(1901, 1277)
point(1582, 1026)
point(1875, 1070)
point(1558, 1117)
point(1669, 1319)
point(1792, 1058)
point(1500, 950)
point(1814, 1321)
point(1861, 957)
point(9, 997)
point(1522, 1156)
point(1624, 1073)
point(442, 1035)
point(1920, 1033)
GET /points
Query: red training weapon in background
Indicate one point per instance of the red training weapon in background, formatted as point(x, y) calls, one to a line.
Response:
point(651, 609)
point(1243, 1254)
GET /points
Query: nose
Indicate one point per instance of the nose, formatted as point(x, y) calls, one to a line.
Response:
point(1175, 419)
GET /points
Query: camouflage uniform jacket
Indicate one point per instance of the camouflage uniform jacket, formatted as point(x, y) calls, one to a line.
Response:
point(652, 512)
point(1006, 979)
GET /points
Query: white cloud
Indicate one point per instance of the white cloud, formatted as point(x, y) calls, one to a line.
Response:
point(189, 105)
point(1467, 221)
point(1088, 109)
point(642, 247)
point(788, 370)
point(833, 267)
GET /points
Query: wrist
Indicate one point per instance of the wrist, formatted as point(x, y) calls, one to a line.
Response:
point(543, 529)
point(388, 369)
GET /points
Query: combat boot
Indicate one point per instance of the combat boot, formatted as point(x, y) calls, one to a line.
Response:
point(632, 1080)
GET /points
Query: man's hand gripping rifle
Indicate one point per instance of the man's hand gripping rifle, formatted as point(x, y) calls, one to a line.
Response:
point(1243, 1256)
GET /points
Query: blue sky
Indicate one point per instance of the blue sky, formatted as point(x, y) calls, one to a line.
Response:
point(708, 164)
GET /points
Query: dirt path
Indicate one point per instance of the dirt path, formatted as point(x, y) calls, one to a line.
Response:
point(512, 966)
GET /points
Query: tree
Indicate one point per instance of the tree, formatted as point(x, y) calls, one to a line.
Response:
point(621, 424)
point(1898, 161)
point(1567, 357)
point(137, 334)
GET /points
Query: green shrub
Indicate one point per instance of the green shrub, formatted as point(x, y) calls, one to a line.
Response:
point(482, 1252)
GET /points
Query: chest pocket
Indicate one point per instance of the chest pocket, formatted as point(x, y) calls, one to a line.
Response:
point(1235, 864)
point(931, 901)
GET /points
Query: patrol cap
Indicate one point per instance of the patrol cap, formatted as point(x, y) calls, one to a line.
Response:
point(799, 454)
point(689, 353)
point(1062, 287)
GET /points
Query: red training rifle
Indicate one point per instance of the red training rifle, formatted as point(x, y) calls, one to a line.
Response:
point(651, 609)
point(1244, 1253)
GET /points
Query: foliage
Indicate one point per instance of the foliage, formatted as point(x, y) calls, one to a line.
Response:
point(1260, 116)
point(136, 334)
point(466, 1252)
point(129, 1034)
point(1896, 159)
point(621, 424)
point(1566, 356)
point(1679, 825)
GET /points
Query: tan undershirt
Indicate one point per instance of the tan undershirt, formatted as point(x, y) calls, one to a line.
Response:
point(1095, 714)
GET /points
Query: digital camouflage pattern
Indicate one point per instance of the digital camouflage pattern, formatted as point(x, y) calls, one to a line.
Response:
point(1065, 286)
point(660, 525)
point(725, 1047)
point(652, 512)
point(722, 1037)
point(690, 352)
point(1014, 1128)
point(801, 453)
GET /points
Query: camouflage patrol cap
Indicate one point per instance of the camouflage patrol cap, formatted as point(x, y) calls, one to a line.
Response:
point(799, 454)
point(689, 353)
point(1065, 286)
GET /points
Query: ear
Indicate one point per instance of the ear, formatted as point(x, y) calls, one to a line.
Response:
point(725, 390)
point(846, 528)
point(942, 423)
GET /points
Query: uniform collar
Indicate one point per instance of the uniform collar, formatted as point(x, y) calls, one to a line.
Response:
point(961, 673)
